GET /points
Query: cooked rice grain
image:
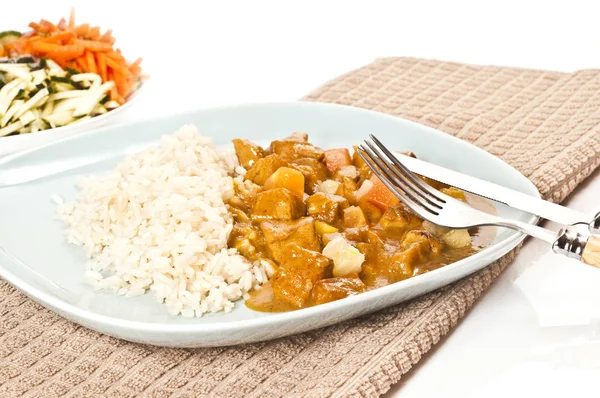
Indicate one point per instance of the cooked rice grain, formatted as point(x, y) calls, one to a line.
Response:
point(159, 222)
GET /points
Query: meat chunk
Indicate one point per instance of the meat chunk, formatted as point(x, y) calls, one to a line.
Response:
point(297, 136)
point(248, 240)
point(417, 246)
point(337, 158)
point(247, 152)
point(290, 150)
point(264, 167)
point(398, 219)
point(331, 289)
point(297, 275)
point(277, 204)
point(326, 207)
point(279, 234)
point(347, 188)
point(313, 170)
point(418, 236)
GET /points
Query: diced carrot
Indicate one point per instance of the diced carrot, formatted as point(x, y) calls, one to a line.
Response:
point(380, 196)
point(43, 47)
point(82, 30)
point(117, 66)
point(47, 26)
point(101, 62)
point(337, 158)
point(107, 37)
point(115, 56)
point(285, 177)
point(81, 64)
point(91, 62)
point(93, 45)
point(56, 50)
point(82, 47)
point(67, 52)
point(59, 37)
point(1, 50)
point(113, 93)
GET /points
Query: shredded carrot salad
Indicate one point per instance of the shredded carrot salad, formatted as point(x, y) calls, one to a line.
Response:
point(83, 48)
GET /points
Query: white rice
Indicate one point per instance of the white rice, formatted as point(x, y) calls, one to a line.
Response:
point(159, 222)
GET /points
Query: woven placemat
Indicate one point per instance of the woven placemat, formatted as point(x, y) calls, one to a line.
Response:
point(546, 124)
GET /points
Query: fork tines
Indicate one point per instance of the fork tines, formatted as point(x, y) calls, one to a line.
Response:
point(407, 186)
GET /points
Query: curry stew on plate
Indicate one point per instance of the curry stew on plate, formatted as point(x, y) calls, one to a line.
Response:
point(328, 227)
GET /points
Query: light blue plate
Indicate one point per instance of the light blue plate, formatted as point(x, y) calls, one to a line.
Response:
point(35, 258)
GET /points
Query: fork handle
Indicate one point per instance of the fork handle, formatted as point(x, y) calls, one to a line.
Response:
point(591, 252)
point(580, 247)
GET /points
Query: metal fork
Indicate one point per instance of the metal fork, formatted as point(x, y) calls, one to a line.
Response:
point(441, 209)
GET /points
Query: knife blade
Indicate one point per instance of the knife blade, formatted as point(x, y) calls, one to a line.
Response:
point(530, 204)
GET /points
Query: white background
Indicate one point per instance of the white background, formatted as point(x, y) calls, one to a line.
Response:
point(537, 332)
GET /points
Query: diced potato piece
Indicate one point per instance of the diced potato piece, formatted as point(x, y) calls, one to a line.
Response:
point(323, 228)
point(263, 168)
point(337, 158)
point(313, 170)
point(329, 186)
point(398, 219)
point(297, 275)
point(277, 204)
point(325, 207)
point(354, 217)
point(436, 230)
point(455, 193)
point(280, 233)
point(457, 238)
point(331, 289)
point(247, 152)
point(346, 258)
point(380, 195)
point(291, 150)
point(286, 177)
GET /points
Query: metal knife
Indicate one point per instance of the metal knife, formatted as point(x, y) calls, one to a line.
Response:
point(539, 207)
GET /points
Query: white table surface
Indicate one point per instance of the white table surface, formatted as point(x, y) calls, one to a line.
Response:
point(537, 331)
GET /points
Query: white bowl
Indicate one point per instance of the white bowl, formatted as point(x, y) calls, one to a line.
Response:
point(21, 142)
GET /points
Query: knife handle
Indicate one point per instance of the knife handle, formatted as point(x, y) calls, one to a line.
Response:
point(591, 252)
point(580, 247)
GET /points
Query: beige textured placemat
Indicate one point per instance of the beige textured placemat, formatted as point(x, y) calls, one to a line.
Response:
point(546, 124)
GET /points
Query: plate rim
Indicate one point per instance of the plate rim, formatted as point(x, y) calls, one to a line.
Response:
point(59, 305)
